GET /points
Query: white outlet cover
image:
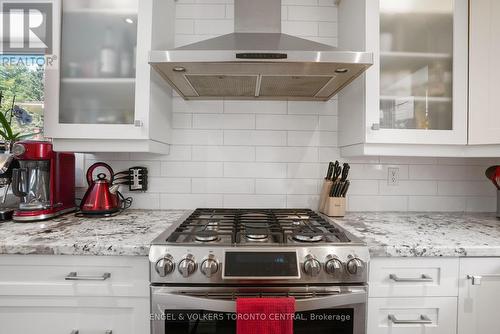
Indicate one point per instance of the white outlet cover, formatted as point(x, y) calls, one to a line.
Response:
point(392, 176)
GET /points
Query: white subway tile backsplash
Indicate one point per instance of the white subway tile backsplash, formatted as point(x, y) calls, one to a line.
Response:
point(223, 186)
point(169, 185)
point(212, 107)
point(191, 169)
point(302, 201)
point(375, 171)
point(254, 137)
point(177, 153)
point(436, 203)
point(286, 122)
point(223, 153)
point(200, 11)
point(327, 29)
point(184, 27)
point(313, 108)
point(300, 28)
point(312, 13)
point(254, 201)
point(481, 204)
point(287, 154)
point(213, 27)
point(466, 188)
point(182, 121)
point(197, 137)
point(224, 121)
point(328, 123)
point(275, 153)
point(408, 187)
point(190, 201)
point(287, 186)
point(255, 170)
point(255, 107)
point(305, 170)
point(377, 203)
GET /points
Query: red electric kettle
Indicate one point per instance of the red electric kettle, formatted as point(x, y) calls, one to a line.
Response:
point(101, 197)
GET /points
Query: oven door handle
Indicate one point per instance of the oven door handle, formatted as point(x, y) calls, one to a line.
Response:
point(185, 301)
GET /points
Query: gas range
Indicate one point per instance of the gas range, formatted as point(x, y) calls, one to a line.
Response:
point(211, 258)
point(257, 246)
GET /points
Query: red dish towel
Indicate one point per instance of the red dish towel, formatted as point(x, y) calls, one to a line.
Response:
point(265, 315)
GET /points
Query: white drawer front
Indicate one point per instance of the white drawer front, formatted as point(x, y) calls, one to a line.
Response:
point(399, 315)
point(412, 277)
point(63, 315)
point(32, 275)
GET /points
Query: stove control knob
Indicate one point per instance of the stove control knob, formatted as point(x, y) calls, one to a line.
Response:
point(187, 266)
point(355, 266)
point(165, 265)
point(334, 266)
point(312, 267)
point(209, 266)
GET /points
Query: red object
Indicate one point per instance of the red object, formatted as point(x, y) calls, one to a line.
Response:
point(265, 315)
point(38, 159)
point(100, 198)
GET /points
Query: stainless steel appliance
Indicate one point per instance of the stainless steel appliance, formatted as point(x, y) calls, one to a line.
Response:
point(204, 262)
point(257, 61)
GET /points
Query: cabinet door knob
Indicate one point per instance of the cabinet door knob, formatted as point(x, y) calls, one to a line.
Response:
point(375, 126)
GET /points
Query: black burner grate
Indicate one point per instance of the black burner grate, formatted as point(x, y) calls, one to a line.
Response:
point(271, 226)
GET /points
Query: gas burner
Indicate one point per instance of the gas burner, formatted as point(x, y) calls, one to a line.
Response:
point(208, 233)
point(256, 231)
point(307, 238)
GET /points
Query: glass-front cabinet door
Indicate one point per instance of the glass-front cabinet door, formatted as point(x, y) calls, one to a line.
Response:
point(422, 73)
point(98, 48)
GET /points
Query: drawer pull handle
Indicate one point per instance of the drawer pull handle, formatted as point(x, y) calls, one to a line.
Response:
point(476, 279)
point(423, 320)
point(73, 276)
point(76, 331)
point(422, 278)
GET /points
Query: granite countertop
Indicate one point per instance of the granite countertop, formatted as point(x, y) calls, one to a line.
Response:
point(426, 233)
point(128, 233)
point(131, 232)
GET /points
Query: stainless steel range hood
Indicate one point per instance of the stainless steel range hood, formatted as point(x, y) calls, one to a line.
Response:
point(259, 62)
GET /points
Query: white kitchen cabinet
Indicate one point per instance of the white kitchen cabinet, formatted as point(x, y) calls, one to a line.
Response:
point(413, 100)
point(479, 296)
point(484, 118)
point(413, 277)
point(432, 315)
point(64, 315)
point(102, 94)
point(105, 293)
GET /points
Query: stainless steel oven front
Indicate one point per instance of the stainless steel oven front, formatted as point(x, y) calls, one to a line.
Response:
point(197, 309)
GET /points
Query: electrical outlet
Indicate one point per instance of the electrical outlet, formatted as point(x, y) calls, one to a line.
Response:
point(392, 176)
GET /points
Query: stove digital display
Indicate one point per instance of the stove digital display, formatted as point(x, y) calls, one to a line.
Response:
point(261, 265)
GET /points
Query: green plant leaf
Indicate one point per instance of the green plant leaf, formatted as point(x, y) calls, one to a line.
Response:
point(4, 135)
point(28, 135)
point(6, 126)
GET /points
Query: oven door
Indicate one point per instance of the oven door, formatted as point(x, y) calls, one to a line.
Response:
point(193, 310)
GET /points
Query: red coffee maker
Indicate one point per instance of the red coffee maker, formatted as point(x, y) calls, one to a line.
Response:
point(44, 181)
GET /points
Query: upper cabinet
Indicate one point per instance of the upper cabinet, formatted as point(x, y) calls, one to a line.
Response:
point(484, 115)
point(104, 96)
point(415, 94)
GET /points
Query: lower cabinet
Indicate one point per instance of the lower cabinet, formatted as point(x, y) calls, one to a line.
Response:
point(432, 315)
point(53, 294)
point(71, 315)
point(479, 296)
